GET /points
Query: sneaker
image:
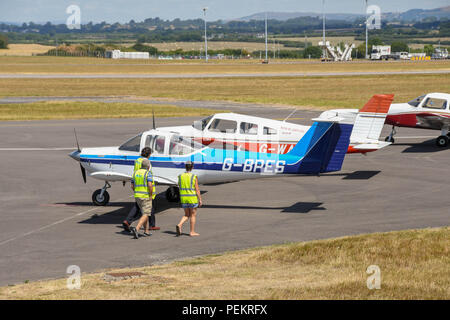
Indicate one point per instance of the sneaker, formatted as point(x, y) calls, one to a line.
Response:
point(126, 226)
point(135, 232)
point(147, 234)
point(155, 228)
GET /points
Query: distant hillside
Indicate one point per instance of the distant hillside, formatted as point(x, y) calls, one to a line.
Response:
point(283, 16)
point(419, 14)
point(410, 15)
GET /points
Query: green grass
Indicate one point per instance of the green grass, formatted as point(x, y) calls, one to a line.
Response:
point(414, 264)
point(92, 110)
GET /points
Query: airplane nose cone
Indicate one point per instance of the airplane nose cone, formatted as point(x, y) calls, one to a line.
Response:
point(75, 155)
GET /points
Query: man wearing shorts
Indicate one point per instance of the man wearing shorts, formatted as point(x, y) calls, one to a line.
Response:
point(190, 198)
point(142, 186)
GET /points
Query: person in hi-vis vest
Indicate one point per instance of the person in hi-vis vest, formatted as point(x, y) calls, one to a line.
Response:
point(190, 198)
point(135, 213)
point(142, 186)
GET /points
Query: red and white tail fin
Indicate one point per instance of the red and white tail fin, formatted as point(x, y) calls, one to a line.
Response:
point(369, 122)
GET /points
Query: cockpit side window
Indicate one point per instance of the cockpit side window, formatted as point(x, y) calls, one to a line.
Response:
point(416, 101)
point(248, 128)
point(132, 145)
point(222, 125)
point(159, 144)
point(434, 103)
point(201, 125)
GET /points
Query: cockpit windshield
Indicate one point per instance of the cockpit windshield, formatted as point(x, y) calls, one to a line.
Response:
point(181, 146)
point(201, 125)
point(416, 101)
point(132, 145)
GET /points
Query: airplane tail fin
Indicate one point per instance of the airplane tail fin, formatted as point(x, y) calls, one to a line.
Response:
point(368, 124)
point(323, 147)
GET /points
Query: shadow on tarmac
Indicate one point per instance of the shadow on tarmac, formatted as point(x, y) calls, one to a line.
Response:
point(299, 207)
point(424, 147)
point(356, 175)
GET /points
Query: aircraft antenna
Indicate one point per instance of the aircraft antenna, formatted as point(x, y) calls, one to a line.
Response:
point(290, 115)
point(154, 124)
point(76, 139)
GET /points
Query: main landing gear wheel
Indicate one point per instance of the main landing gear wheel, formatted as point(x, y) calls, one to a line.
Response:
point(389, 139)
point(100, 197)
point(173, 194)
point(442, 141)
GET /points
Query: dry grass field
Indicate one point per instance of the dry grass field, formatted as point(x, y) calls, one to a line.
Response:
point(413, 264)
point(24, 49)
point(50, 110)
point(313, 92)
point(48, 65)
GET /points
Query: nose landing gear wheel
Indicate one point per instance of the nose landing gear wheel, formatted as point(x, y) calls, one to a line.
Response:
point(442, 141)
point(100, 200)
point(173, 194)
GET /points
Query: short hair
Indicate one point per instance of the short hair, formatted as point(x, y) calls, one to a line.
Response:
point(146, 152)
point(189, 166)
point(145, 164)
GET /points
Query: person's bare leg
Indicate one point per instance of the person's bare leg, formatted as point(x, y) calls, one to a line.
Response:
point(147, 225)
point(183, 219)
point(143, 220)
point(193, 219)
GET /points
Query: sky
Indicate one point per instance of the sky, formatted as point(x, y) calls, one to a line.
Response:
point(138, 10)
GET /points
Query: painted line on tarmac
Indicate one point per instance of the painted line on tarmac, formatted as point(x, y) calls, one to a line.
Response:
point(51, 225)
point(37, 149)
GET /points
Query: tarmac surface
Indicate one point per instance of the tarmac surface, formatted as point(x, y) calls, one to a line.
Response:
point(47, 220)
point(211, 75)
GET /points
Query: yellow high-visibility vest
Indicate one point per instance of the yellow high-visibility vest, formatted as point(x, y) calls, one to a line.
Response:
point(186, 183)
point(140, 179)
point(137, 166)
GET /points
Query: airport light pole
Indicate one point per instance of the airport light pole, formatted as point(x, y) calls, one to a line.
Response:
point(323, 22)
point(266, 34)
point(367, 35)
point(206, 38)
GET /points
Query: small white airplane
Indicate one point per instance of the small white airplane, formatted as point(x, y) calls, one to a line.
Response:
point(272, 136)
point(430, 111)
point(320, 149)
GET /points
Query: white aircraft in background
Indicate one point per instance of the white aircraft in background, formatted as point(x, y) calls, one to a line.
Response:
point(321, 148)
point(273, 136)
point(430, 111)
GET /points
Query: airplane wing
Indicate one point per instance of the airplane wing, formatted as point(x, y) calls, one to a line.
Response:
point(115, 176)
point(434, 120)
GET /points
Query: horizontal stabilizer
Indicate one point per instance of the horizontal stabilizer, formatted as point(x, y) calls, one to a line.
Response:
point(371, 146)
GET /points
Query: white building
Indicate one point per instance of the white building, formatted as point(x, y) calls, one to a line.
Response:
point(117, 54)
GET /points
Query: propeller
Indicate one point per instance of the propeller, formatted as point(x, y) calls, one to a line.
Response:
point(154, 125)
point(83, 170)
